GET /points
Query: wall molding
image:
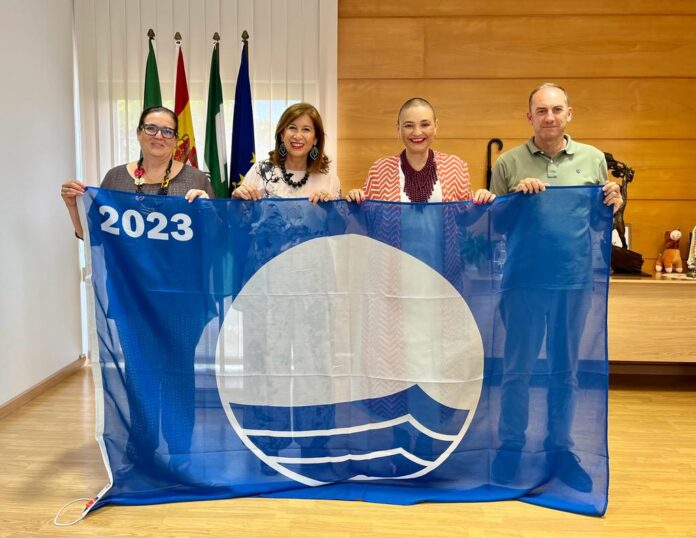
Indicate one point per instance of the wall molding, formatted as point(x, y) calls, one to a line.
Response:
point(41, 387)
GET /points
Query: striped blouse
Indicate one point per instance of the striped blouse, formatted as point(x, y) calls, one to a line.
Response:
point(383, 182)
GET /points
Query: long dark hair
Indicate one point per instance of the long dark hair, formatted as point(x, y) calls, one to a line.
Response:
point(321, 164)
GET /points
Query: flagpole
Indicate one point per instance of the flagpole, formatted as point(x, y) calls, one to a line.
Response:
point(218, 282)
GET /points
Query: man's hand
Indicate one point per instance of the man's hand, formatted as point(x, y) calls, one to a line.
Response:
point(612, 195)
point(530, 185)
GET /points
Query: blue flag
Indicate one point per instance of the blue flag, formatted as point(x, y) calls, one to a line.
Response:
point(384, 352)
point(243, 152)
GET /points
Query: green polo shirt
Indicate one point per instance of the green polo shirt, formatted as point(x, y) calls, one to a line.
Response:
point(576, 164)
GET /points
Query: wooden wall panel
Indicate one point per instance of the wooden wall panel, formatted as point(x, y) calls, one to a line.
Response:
point(650, 219)
point(382, 48)
point(663, 168)
point(582, 46)
point(491, 47)
point(604, 108)
point(630, 68)
point(460, 8)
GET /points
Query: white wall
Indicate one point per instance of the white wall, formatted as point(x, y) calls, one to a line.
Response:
point(39, 275)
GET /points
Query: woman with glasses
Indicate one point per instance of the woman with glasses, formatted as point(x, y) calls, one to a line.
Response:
point(158, 351)
point(156, 172)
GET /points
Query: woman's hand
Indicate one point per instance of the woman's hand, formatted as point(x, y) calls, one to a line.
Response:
point(612, 195)
point(192, 194)
point(530, 185)
point(356, 195)
point(70, 190)
point(483, 196)
point(246, 192)
point(319, 196)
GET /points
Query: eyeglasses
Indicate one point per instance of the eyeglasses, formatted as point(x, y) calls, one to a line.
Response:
point(152, 130)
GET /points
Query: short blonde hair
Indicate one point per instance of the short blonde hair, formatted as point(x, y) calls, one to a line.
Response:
point(414, 101)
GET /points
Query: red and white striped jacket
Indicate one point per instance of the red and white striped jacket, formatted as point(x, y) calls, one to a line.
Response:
point(382, 181)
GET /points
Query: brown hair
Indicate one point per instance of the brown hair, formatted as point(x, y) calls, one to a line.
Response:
point(321, 164)
point(548, 85)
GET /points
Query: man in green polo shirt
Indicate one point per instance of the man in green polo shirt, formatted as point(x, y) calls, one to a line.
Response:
point(542, 307)
point(551, 157)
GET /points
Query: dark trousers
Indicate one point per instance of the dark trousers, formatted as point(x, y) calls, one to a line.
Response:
point(528, 315)
point(159, 379)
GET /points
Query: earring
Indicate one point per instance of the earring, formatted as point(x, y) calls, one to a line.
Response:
point(282, 150)
point(314, 153)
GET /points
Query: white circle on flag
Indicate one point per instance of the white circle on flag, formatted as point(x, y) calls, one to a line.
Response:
point(341, 320)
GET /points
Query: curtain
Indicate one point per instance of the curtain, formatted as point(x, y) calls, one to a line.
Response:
point(292, 54)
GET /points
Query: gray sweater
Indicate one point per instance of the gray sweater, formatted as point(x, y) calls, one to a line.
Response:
point(188, 178)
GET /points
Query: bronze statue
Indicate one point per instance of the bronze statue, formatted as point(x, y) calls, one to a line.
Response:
point(625, 173)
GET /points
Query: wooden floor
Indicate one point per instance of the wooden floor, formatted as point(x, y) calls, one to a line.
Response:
point(48, 457)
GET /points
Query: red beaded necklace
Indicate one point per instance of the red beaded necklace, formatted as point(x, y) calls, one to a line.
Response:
point(419, 184)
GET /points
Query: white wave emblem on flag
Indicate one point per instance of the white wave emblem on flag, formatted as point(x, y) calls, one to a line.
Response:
point(344, 358)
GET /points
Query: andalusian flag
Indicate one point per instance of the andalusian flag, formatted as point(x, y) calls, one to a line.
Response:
point(186, 145)
point(243, 153)
point(152, 96)
point(215, 147)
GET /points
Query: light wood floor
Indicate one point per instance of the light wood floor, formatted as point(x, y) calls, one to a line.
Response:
point(48, 456)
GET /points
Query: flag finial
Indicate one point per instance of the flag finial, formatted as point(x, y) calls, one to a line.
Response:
point(245, 36)
point(151, 33)
point(177, 37)
point(216, 37)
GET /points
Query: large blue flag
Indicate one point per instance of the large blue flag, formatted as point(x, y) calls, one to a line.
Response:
point(243, 152)
point(385, 352)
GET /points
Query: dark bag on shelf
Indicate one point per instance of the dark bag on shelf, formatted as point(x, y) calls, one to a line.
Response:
point(626, 262)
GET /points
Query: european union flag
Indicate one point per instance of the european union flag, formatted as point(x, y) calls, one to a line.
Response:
point(383, 352)
point(243, 149)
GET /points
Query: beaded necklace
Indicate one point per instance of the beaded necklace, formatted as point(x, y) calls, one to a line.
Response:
point(419, 184)
point(287, 177)
point(139, 172)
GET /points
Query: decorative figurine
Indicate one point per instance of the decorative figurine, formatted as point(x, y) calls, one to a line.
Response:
point(670, 258)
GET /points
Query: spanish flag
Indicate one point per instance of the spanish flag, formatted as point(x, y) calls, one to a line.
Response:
point(186, 145)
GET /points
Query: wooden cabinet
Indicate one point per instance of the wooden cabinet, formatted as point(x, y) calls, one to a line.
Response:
point(652, 320)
